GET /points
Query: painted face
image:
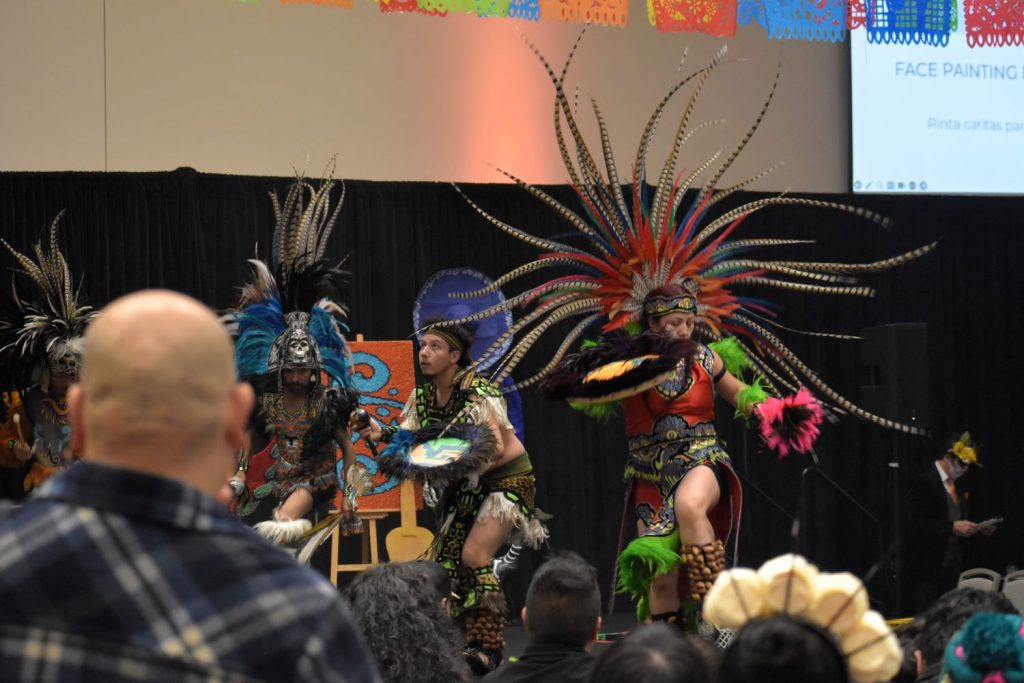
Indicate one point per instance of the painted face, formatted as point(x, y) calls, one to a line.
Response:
point(957, 468)
point(679, 325)
point(435, 355)
point(297, 379)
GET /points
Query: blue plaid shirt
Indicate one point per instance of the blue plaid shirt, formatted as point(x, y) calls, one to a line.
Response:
point(113, 575)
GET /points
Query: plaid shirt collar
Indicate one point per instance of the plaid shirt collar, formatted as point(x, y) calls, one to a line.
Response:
point(138, 495)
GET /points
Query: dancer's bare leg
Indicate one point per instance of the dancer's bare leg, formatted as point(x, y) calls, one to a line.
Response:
point(695, 496)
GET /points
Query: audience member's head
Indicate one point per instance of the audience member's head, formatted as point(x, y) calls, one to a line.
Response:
point(658, 653)
point(988, 649)
point(947, 615)
point(411, 635)
point(710, 651)
point(908, 635)
point(563, 603)
point(783, 649)
point(437, 577)
point(157, 391)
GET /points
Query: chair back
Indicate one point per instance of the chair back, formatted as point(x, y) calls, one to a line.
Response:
point(1013, 588)
point(980, 578)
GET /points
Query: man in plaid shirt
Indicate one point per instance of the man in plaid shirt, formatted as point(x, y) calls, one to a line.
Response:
point(127, 566)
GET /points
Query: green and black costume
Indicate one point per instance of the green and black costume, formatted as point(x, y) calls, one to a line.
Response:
point(505, 492)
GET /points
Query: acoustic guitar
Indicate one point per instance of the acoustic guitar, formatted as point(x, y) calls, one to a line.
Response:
point(407, 542)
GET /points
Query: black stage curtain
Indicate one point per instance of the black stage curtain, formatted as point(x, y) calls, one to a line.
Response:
point(192, 232)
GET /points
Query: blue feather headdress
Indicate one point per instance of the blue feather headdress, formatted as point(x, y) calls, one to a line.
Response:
point(297, 281)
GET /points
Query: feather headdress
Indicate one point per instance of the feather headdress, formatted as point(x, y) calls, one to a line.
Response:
point(664, 236)
point(41, 326)
point(298, 292)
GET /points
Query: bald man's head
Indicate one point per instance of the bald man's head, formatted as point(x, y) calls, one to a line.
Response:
point(157, 378)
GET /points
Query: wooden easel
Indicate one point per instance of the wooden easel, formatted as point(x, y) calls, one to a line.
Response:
point(371, 550)
point(371, 544)
point(370, 539)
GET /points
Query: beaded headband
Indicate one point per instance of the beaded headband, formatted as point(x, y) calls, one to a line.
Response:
point(452, 340)
point(658, 306)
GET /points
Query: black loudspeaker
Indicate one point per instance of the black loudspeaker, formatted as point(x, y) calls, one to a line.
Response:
point(894, 372)
point(894, 385)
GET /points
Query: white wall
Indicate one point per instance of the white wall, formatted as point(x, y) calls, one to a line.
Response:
point(254, 88)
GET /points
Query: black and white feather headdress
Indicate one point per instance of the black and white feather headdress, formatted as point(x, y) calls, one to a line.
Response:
point(43, 319)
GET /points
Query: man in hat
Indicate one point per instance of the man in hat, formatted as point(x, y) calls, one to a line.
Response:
point(938, 522)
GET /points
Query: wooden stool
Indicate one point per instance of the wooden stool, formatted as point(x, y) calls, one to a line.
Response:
point(371, 552)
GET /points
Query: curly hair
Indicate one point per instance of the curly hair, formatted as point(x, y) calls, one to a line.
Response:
point(412, 637)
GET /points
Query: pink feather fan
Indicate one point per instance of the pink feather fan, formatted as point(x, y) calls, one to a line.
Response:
point(790, 423)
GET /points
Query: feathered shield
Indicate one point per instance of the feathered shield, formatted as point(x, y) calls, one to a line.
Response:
point(620, 365)
point(439, 454)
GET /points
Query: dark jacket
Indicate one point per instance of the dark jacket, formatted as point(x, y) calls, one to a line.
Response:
point(929, 530)
point(545, 662)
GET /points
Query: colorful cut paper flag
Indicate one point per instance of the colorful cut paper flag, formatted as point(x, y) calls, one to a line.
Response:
point(492, 8)
point(713, 17)
point(749, 12)
point(392, 6)
point(524, 9)
point(605, 12)
point(550, 10)
point(481, 8)
point(344, 4)
point(909, 21)
point(994, 23)
point(820, 20)
point(856, 14)
point(570, 10)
